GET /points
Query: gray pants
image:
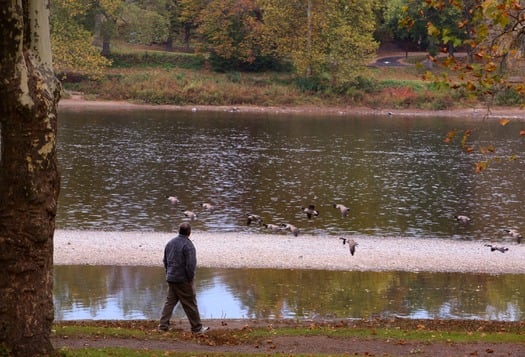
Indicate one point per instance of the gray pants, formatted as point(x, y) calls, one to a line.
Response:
point(185, 293)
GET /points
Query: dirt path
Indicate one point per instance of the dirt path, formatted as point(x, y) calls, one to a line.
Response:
point(224, 337)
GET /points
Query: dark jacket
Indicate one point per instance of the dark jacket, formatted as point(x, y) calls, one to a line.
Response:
point(180, 260)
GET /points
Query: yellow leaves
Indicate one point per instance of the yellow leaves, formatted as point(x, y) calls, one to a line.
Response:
point(318, 41)
point(111, 7)
point(470, 86)
point(462, 24)
point(490, 67)
point(480, 166)
point(465, 137)
point(487, 149)
point(73, 52)
point(72, 7)
point(480, 54)
point(449, 61)
point(450, 135)
point(504, 122)
point(428, 76)
point(407, 22)
point(520, 89)
point(432, 30)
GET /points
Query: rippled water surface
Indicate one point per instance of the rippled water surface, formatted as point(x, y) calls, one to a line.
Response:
point(396, 174)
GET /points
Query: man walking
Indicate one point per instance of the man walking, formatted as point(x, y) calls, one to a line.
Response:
point(180, 263)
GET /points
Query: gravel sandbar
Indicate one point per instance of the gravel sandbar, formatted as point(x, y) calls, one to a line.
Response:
point(284, 251)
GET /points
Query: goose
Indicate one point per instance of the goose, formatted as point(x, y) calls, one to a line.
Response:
point(463, 219)
point(514, 234)
point(253, 218)
point(272, 227)
point(291, 228)
point(351, 244)
point(342, 208)
point(310, 211)
point(208, 206)
point(190, 214)
point(173, 200)
point(493, 248)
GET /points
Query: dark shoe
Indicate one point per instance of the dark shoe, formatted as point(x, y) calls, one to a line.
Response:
point(202, 330)
point(163, 328)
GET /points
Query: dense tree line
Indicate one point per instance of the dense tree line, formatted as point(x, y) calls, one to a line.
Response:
point(321, 39)
point(328, 37)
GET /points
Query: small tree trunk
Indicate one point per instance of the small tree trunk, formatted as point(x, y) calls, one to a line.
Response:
point(106, 48)
point(29, 179)
point(187, 37)
point(169, 43)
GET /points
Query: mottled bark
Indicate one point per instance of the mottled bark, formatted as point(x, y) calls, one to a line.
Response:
point(29, 179)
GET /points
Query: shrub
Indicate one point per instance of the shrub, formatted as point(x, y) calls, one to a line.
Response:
point(366, 84)
point(157, 59)
point(509, 96)
point(260, 64)
point(310, 84)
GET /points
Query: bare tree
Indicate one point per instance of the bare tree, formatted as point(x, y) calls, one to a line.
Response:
point(29, 178)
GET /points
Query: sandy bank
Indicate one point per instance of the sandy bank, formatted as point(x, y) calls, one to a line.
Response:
point(77, 103)
point(239, 250)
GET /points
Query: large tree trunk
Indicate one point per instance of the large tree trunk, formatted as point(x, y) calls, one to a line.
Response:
point(29, 179)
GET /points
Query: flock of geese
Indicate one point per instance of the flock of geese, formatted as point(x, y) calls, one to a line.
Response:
point(310, 211)
point(514, 233)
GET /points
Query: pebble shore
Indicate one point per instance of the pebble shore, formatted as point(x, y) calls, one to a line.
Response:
point(284, 251)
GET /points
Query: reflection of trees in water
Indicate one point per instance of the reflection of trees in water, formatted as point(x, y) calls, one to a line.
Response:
point(272, 293)
point(133, 289)
point(307, 293)
point(455, 295)
point(304, 293)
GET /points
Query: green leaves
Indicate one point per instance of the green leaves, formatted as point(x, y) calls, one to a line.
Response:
point(72, 44)
point(232, 29)
point(324, 39)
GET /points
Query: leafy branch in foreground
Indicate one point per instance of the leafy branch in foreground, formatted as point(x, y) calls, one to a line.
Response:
point(490, 35)
point(484, 150)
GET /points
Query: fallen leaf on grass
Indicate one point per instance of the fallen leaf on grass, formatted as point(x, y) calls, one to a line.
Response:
point(504, 122)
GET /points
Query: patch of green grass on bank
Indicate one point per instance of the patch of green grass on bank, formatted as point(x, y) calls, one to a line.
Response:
point(395, 333)
point(460, 332)
point(98, 331)
point(188, 87)
point(153, 76)
point(141, 334)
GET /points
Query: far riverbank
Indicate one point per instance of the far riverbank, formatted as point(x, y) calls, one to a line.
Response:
point(77, 103)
